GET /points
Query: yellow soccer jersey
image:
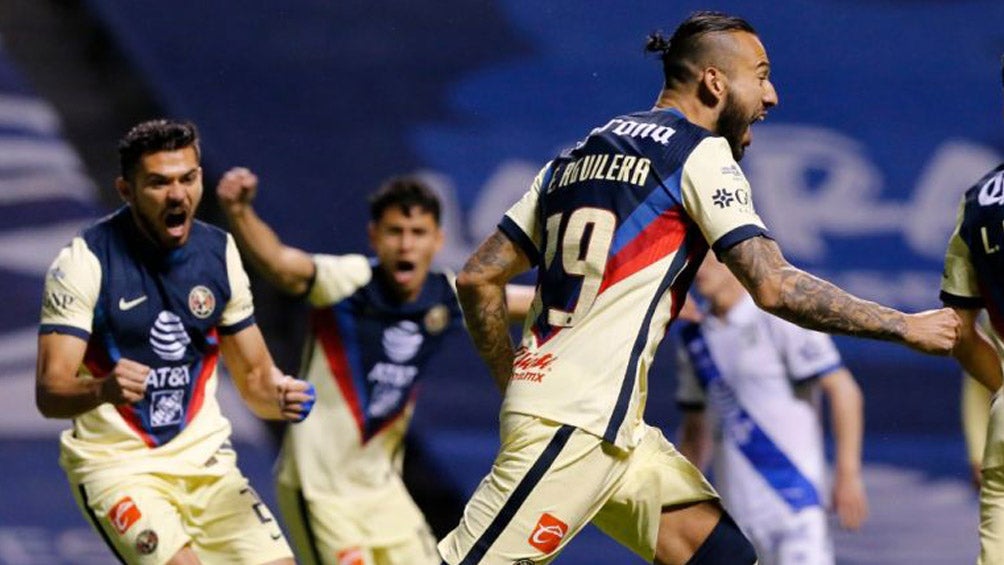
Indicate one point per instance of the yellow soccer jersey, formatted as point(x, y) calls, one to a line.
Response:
point(129, 300)
point(958, 280)
point(364, 355)
point(974, 262)
point(617, 227)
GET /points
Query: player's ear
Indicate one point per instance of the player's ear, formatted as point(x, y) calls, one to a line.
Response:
point(712, 85)
point(125, 190)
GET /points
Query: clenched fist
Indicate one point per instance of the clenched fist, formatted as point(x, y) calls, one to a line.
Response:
point(126, 383)
point(296, 398)
point(933, 331)
point(237, 190)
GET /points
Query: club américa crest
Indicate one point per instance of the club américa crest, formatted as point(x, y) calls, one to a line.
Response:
point(436, 319)
point(201, 302)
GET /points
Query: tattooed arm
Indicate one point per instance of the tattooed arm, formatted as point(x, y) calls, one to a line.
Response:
point(481, 289)
point(797, 296)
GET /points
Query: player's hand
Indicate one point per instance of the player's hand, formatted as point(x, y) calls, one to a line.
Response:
point(126, 383)
point(296, 398)
point(850, 500)
point(933, 331)
point(237, 190)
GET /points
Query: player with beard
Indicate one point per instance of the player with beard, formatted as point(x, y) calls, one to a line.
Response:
point(137, 310)
point(616, 228)
point(374, 323)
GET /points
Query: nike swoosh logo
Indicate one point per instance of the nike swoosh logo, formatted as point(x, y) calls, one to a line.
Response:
point(130, 304)
point(275, 536)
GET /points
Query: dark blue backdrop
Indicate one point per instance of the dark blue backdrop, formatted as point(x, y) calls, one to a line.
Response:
point(888, 111)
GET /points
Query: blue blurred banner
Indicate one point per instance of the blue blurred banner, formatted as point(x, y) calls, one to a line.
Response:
point(888, 110)
point(45, 198)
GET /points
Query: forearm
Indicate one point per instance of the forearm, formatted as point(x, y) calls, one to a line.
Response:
point(806, 300)
point(59, 391)
point(487, 319)
point(847, 422)
point(253, 371)
point(68, 397)
point(980, 360)
point(261, 393)
point(816, 304)
point(287, 268)
point(481, 290)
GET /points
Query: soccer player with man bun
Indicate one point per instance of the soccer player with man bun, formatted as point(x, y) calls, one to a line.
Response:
point(616, 227)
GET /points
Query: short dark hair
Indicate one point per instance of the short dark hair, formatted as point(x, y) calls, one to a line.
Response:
point(153, 136)
point(405, 192)
point(681, 53)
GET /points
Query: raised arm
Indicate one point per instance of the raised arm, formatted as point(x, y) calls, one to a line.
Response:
point(810, 302)
point(847, 422)
point(288, 268)
point(481, 289)
point(269, 393)
point(975, 352)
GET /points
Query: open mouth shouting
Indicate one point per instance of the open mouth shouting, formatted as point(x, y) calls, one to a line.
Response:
point(404, 272)
point(176, 222)
point(748, 138)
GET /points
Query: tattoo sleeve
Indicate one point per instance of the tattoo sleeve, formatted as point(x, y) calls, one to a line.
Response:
point(481, 291)
point(808, 301)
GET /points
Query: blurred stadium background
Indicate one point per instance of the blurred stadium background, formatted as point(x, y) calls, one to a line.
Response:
point(889, 109)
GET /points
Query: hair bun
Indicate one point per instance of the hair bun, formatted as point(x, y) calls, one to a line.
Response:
point(656, 43)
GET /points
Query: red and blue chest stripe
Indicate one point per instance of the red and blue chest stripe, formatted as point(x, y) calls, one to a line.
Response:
point(131, 269)
point(352, 336)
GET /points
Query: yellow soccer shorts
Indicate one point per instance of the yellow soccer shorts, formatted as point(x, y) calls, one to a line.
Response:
point(549, 480)
point(328, 532)
point(147, 518)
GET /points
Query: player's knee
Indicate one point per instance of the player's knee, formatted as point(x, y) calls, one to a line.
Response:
point(725, 545)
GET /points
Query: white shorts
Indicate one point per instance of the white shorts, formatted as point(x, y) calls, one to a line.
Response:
point(800, 539)
point(549, 480)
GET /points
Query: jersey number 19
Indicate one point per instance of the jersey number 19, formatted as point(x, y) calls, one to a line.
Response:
point(585, 243)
